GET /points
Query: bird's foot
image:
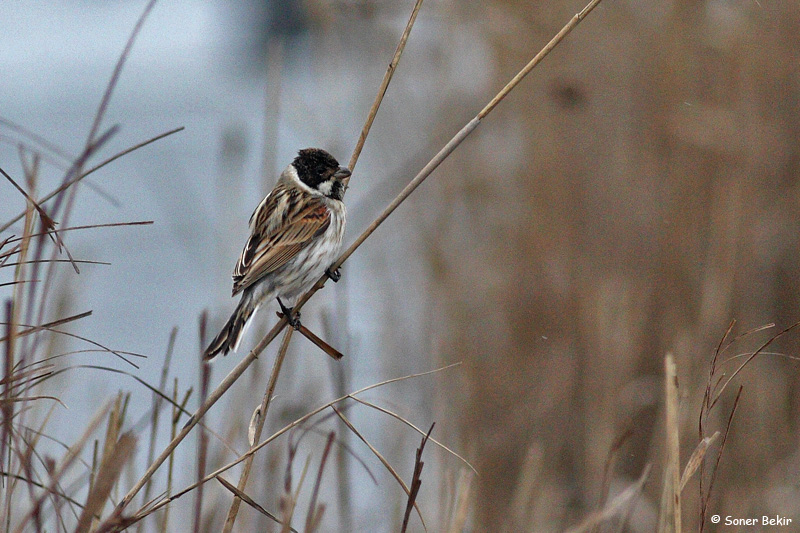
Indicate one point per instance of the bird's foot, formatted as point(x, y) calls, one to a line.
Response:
point(292, 317)
point(334, 274)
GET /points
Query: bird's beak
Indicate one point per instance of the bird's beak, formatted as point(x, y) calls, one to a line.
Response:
point(343, 175)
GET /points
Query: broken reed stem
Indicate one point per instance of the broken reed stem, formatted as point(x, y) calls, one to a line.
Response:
point(459, 137)
point(670, 521)
point(384, 85)
point(148, 509)
point(259, 426)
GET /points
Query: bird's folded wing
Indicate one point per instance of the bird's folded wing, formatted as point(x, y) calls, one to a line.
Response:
point(282, 225)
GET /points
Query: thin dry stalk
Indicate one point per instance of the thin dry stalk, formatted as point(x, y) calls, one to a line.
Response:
point(415, 428)
point(383, 461)
point(387, 77)
point(70, 458)
point(114, 458)
point(716, 384)
point(112, 83)
point(258, 427)
point(670, 516)
point(69, 183)
point(416, 480)
point(315, 512)
point(248, 500)
point(289, 500)
point(608, 467)
point(145, 511)
point(340, 377)
point(49, 325)
point(171, 463)
point(717, 391)
point(88, 226)
point(705, 497)
point(463, 498)
point(47, 222)
point(623, 502)
point(157, 403)
point(319, 343)
point(6, 445)
point(202, 438)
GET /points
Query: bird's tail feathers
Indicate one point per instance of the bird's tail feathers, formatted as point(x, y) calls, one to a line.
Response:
point(231, 335)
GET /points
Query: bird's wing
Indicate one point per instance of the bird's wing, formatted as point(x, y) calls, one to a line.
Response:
point(284, 223)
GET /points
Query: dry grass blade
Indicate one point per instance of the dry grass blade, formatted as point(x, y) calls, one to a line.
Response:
point(70, 182)
point(670, 515)
point(158, 399)
point(70, 457)
point(40, 261)
point(289, 500)
point(698, 455)
point(618, 504)
point(112, 83)
point(382, 459)
point(416, 480)
point(25, 374)
point(141, 513)
point(608, 466)
point(30, 398)
point(171, 464)
point(315, 512)
point(248, 500)
point(48, 223)
point(462, 503)
point(89, 226)
point(717, 393)
point(139, 380)
point(38, 139)
point(110, 467)
point(19, 282)
point(91, 148)
point(706, 495)
point(37, 484)
point(415, 428)
point(59, 322)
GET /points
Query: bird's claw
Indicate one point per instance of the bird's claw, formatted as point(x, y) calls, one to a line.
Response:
point(291, 317)
point(334, 274)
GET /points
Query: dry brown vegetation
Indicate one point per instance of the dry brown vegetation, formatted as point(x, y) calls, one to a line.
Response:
point(585, 270)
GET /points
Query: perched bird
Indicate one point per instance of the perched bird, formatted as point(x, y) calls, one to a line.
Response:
point(295, 234)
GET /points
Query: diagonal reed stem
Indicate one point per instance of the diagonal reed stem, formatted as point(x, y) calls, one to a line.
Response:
point(259, 426)
point(387, 77)
point(459, 137)
point(384, 85)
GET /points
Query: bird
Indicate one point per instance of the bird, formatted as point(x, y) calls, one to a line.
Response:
point(295, 235)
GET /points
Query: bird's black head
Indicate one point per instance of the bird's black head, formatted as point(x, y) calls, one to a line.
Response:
point(319, 170)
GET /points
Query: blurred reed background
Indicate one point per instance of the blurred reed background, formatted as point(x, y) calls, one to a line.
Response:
point(631, 198)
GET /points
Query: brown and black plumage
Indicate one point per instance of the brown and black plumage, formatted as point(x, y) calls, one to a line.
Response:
point(295, 234)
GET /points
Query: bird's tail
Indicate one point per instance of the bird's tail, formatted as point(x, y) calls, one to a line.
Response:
point(231, 334)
